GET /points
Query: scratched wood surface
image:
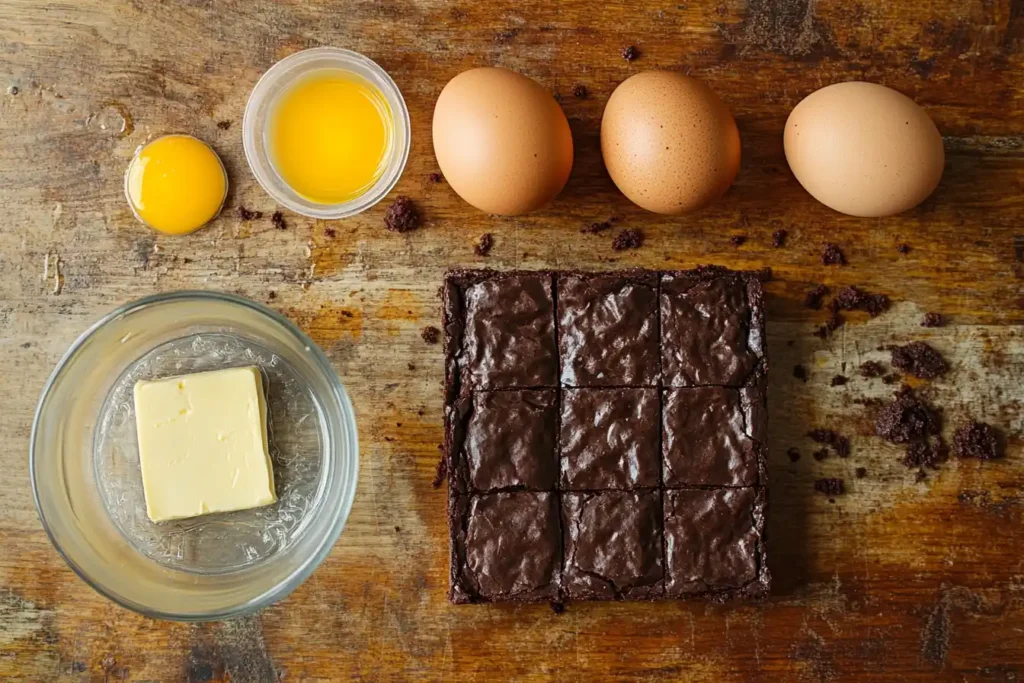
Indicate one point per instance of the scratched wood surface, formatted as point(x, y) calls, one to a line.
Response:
point(898, 579)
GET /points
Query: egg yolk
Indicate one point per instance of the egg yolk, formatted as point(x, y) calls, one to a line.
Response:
point(176, 184)
point(330, 136)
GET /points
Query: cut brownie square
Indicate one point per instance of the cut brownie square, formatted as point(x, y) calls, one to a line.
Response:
point(505, 547)
point(505, 439)
point(712, 437)
point(609, 439)
point(713, 543)
point(507, 334)
point(712, 327)
point(608, 329)
point(613, 545)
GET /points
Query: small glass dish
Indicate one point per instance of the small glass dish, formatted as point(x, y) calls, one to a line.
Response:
point(257, 117)
point(88, 485)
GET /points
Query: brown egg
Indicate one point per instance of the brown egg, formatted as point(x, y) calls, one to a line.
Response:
point(669, 143)
point(501, 140)
point(864, 149)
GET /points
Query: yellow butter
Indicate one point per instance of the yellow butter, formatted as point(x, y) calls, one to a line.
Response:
point(203, 443)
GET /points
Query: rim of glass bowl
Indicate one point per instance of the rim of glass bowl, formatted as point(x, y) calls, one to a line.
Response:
point(280, 76)
point(340, 510)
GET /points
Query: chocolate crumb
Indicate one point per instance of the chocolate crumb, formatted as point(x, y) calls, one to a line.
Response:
point(854, 298)
point(435, 177)
point(224, 125)
point(800, 372)
point(630, 53)
point(871, 369)
point(557, 607)
point(933, 320)
point(430, 334)
point(411, 366)
point(13, 90)
point(628, 239)
point(247, 215)
point(779, 238)
point(920, 476)
point(833, 323)
point(579, 90)
point(839, 380)
point(484, 245)
point(402, 215)
point(830, 487)
point(271, 295)
point(892, 378)
point(820, 454)
point(595, 228)
point(926, 453)
point(277, 220)
point(737, 240)
point(861, 472)
point(903, 249)
point(398, 529)
point(330, 233)
point(794, 454)
point(346, 314)
point(907, 418)
point(440, 473)
point(920, 360)
point(839, 443)
point(814, 297)
point(832, 255)
point(977, 440)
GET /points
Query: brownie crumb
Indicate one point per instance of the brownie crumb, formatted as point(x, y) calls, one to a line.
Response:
point(815, 296)
point(13, 90)
point(440, 473)
point(832, 255)
point(630, 53)
point(628, 239)
point(854, 298)
point(224, 125)
point(834, 322)
point(430, 334)
point(800, 372)
point(402, 215)
point(579, 90)
point(977, 440)
point(830, 487)
point(779, 238)
point(920, 360)
point(277, 220)
point(839, 380)
point(347, 314)
point(871, 369)
point(892, 378)
point(271, 295)
point(595, 228)
point(557, 607)
point(794, 454)
point(926, 453)
point(247, 215)
point(903, 249)
point(411, 366)
point(330, 233)
point(861, 472)
point(933, 320)
point(839, 443)
point(907, 418)
point(820, 454)
point(435, 177)
point(920, 476)
point(398, 529)
point(737, 240)
point(484, 245)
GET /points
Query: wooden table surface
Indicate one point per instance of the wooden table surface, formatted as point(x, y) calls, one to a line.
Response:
point(898, 579)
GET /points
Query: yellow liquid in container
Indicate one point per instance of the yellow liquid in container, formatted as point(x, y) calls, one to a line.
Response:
point(330, 136)
point(176, 184)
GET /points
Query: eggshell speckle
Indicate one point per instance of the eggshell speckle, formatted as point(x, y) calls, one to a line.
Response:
point(669, 143)
point(502, 141)
point(864, 149)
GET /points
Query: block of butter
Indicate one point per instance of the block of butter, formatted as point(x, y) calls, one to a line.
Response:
point(203, 443)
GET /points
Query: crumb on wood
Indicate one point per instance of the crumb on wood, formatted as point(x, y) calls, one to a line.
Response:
point(440, 473)
point(435, 177)
point(903, 249)
point(871, 369)
point(430, 334)
point(484, 244)
point(330, 233)
point(920, 360)
point(977, 440)
point(596, 227)
point(820, 454)
point(628, 239)
point(793, 453)
point(247, 215)
point(907, 418)
point(402, 216)
point(224, 125)
point(815, 296)
point(630, 53)
point(853, 298)
point(832, 255)
point(580, 91)
point(839, 380)
point(737, 240)
point(861, 472)
point(933, 320)
point(277, 220)
point(779, 238)
point(800, 372)
point(829, 437)
point(829, 486)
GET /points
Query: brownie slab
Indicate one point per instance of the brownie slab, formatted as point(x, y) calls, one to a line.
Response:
point(712, 327)
point(714, 543)
point(505, 547)
point(613, 545)
point(609, 439)
point(711, 437)
point(505, 324)
point(505, 439)
point(608, 329)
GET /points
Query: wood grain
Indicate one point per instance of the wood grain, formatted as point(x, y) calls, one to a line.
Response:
point(897, 580)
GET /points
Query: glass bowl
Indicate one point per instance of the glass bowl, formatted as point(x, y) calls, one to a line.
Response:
point(85, 466)
point(277, 80)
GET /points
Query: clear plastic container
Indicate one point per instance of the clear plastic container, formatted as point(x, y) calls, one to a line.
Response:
point(277, 80)
point(88, 485)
